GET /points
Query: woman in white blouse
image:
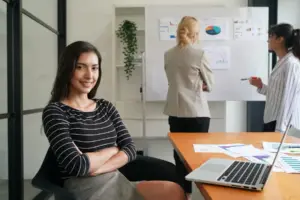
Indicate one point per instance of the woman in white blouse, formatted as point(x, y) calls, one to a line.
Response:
point(283, 90)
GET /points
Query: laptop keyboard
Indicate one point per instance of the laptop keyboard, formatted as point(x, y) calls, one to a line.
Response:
point(243, 173)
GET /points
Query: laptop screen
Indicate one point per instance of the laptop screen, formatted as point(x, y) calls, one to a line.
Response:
point(280, 146)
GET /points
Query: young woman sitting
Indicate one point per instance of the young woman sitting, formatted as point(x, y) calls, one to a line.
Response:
point(88, 137)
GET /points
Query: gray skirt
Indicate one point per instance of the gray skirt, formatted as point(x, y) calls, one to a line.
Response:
point(109, 186)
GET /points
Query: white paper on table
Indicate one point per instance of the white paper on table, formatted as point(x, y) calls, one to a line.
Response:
point(276, 168)
point(247, 150)
point(291, 148)
point(232, 154)
point(224, 148)
point(209, 148)
point(290, 164)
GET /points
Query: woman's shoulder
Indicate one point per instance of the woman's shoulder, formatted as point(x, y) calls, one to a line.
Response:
point(170, 50)
point(294, 60)
point(191, 50)
point(292, 63)
point(103, 103)
point(197, 51)
point(59, 107)
point(55, 107)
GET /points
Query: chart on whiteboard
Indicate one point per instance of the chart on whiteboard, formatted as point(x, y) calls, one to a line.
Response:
point(214, 29)
point(168, 28)
point(246, 29)
point(218, 57)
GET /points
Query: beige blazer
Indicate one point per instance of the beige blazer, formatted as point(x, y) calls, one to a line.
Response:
point(187, 69)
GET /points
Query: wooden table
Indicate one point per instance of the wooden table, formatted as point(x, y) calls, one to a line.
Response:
point(281, 186)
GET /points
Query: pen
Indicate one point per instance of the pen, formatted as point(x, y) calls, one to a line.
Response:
point(245, 79)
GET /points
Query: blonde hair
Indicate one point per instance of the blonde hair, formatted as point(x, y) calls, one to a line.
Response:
point(187, 31)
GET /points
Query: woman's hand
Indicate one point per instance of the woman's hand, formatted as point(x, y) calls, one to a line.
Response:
point(99, 158)
point(256, 82)
point(204, 87)
point(114, 163)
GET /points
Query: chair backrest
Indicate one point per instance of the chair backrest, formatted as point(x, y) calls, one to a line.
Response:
point(49, 170)
point(48, 178)
point(294, 132)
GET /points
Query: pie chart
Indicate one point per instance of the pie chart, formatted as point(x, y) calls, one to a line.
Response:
point(213, 30)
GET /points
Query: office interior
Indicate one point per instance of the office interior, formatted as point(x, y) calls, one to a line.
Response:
point(33, 33)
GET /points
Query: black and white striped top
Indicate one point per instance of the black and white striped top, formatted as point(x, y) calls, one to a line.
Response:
point(67, 128)
point(283, 93)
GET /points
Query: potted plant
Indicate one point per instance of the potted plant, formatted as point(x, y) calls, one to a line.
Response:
point(127, 33)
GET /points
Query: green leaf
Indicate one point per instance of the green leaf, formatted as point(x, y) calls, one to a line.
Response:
point(127, 33)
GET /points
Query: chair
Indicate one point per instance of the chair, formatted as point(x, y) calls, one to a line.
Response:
point(48, 180)
point(142, 168)
point(294, 132)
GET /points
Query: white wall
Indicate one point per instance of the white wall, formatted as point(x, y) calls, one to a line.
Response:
point(235, 117)
point(288, 12)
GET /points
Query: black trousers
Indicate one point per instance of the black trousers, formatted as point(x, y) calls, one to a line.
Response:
point(270, 127)
point(145, 168)
point(198, 124)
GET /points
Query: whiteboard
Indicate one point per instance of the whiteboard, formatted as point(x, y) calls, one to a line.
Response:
point(247, 57)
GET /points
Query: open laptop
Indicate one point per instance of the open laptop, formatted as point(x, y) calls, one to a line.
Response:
point(238, 174)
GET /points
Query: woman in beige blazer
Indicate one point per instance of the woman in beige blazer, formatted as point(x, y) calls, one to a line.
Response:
point(189, 78)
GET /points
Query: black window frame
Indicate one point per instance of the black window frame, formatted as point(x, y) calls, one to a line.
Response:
point(15, 111)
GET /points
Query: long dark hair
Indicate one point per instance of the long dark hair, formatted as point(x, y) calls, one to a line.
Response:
point(290, 35)
point(66, 67)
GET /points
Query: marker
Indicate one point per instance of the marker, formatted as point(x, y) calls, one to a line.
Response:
point(245, 79)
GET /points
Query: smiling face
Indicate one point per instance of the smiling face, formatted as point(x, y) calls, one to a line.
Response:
point(86, 74)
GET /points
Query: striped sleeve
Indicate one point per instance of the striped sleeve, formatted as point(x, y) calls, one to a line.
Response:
point(287, 103)
point(56, 126)
point(263, 90)
point(124, 140)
